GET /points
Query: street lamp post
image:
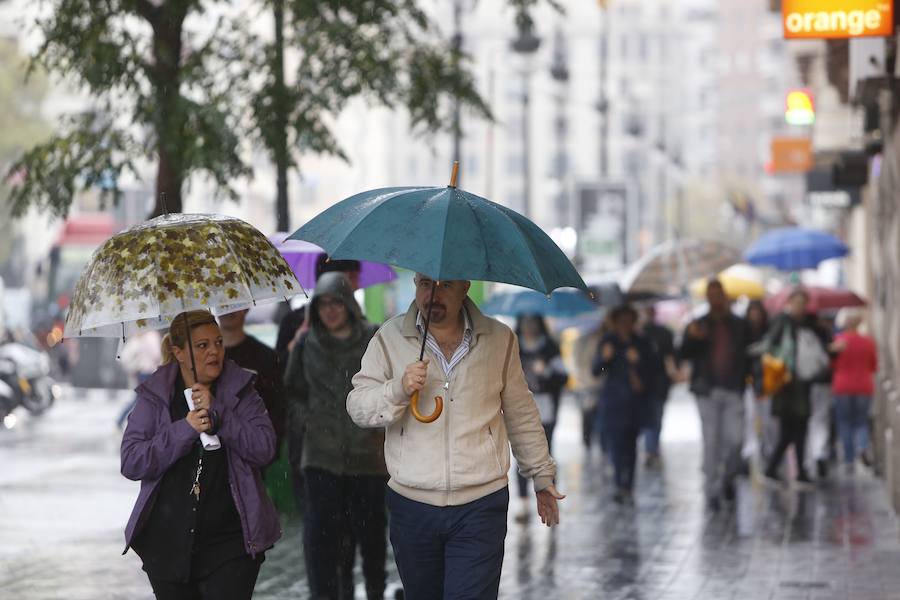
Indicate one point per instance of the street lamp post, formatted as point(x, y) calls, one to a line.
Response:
point(526, 44)
point(559, 71)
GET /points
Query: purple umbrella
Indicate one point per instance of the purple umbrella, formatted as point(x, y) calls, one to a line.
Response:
point(302, 256)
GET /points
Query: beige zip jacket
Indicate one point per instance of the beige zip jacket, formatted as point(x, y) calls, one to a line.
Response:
point(464, 454)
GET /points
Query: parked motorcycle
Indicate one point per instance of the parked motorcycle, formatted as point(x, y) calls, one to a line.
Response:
point(9, 400)
point(26, 372)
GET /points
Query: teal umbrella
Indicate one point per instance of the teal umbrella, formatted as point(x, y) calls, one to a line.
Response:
point(444, 233)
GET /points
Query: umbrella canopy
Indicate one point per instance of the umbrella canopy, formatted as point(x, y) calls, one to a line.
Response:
point(145, 276)
point(737, 281)
point(445, 233)
point(561, 303)
point(795, 248)
point(820, 299)
point(302, 257)
point(670, 267)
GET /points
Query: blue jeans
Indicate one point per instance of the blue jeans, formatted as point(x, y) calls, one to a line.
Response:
point(449, 552)
point(653, 429)
point(852, 416)
point(622, 446)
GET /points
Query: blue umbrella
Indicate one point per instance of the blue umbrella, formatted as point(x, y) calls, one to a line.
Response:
point(794, 248)
point(561, 303)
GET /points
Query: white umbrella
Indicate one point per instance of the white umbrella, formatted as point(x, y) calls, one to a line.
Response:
point(670, 267)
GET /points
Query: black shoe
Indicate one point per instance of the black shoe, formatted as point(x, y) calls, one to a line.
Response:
point(804, 482)
point(714, 504)
point(620, 497)
point(866, 457)
point(773, 478)
point(822, 468)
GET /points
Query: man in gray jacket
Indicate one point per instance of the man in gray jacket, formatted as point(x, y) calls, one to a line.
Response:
point(448, 494)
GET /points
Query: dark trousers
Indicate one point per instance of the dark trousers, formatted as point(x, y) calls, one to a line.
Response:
point(449, 552)
point(652, 431)
point(523, 483)
point(233, 580)
point(341, 512)
point(622, 448)
point(793, 432)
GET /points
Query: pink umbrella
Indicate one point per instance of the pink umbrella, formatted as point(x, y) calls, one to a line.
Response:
point(302, 256)
point(820, 299)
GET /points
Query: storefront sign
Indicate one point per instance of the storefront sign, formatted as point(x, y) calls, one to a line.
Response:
point(791, 155)
point(837, 18)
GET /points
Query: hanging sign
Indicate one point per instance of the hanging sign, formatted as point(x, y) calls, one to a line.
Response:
point(837, 19)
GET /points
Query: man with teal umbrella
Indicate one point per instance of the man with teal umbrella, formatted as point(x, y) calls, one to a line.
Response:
point(448, 494)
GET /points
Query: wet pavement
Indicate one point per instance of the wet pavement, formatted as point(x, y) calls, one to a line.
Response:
point(63, 505)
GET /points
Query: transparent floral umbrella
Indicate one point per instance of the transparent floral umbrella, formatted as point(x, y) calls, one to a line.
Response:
point(145, 276)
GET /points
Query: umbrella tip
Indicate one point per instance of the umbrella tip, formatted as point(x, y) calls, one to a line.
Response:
point(454, 174)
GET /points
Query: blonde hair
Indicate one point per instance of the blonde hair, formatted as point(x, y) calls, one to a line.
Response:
point(178, 331)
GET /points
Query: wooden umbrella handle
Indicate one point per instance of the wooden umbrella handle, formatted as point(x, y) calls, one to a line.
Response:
point(414, 407)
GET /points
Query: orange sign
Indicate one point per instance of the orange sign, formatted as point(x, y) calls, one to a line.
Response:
point(837, 18)
point(791, 155)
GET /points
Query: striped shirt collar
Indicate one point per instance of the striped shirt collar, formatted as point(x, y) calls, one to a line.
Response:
point(461, 350)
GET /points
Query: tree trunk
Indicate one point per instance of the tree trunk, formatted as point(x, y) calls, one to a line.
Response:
point(170, 118)
point(280, 150)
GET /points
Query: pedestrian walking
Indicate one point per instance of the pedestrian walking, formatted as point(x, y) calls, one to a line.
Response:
point(586, 386)
point(546, 377)
point(626, 360)
point(821, 433)
point(448, 493)
point(294, 323)
point(254, 356)
point(292, 327)
point(202, 521)
point(343, 464)
point(664, 373)
point(761, 428)
point(796, 338)
point(140, 357)
point(716, 346)
point(853, 384)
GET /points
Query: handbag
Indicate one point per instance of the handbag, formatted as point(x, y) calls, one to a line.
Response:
point(775, 374)
point(777, 363)
point(812, 360)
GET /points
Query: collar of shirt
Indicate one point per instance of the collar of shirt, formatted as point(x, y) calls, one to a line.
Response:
point(461, 350)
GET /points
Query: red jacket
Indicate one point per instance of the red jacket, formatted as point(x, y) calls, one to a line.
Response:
point(855, 367)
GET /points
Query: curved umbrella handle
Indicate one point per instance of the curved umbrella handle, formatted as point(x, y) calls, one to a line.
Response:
point(414, 407)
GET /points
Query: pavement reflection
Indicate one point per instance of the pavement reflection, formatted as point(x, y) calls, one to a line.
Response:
point(63, 505)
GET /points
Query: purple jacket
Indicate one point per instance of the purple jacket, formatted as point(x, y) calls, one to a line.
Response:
point(152, 443)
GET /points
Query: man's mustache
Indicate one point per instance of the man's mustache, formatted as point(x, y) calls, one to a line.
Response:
point(437, 305)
